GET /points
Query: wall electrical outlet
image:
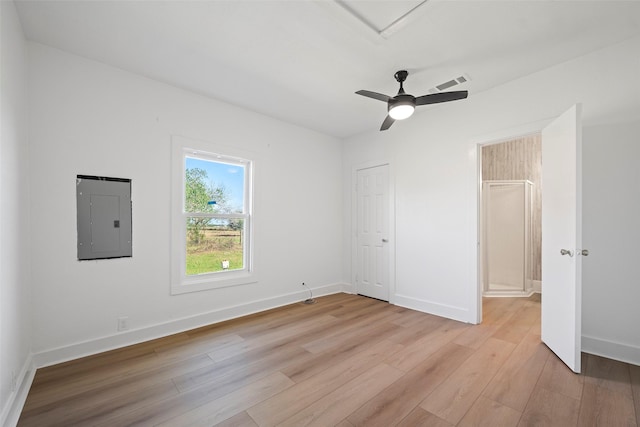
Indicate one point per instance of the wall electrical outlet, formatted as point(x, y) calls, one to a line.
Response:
point(123, 323)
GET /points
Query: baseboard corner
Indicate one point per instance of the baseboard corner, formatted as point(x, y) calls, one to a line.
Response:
point(13, 407)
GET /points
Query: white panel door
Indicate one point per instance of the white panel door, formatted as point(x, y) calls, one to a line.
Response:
point(562, 231)
point(372, 270)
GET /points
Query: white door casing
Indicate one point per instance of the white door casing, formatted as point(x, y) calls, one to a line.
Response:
point(372, 232)
point(562, 230)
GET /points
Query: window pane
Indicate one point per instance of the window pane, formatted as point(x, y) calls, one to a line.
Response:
point(213, 187)
point(214, 244)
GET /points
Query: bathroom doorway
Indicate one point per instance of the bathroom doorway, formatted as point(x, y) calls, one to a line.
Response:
point(511, 208)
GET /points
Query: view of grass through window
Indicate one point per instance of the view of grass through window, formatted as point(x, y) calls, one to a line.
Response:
point(214, 195)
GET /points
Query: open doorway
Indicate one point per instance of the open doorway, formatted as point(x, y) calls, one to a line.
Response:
point(510, 219)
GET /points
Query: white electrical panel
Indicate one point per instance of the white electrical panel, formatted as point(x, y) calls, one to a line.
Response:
point(104, 217)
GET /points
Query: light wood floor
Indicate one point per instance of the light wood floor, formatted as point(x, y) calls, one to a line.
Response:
point(345, 361)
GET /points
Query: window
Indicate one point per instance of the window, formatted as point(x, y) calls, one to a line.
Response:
point(212, 221)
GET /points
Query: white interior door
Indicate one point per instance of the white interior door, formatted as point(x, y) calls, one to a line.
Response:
point(372, 269)
point(562, 231)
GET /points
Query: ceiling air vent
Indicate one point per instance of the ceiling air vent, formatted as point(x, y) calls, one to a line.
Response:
point(451, 83)
point(447, 85)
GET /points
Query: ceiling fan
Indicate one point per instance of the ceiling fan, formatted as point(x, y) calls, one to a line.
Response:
point(402, 105)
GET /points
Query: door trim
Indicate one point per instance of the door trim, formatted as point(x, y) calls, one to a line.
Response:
point(392, 223)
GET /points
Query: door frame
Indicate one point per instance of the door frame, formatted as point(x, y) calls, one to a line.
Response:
point(391, 225)
point(477, 143)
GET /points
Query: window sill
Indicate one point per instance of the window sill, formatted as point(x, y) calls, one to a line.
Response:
point(209, 282)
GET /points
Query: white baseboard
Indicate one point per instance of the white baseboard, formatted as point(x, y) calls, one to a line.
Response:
point(13, 407)
point(611, 350)
point(348, 288)
point(537, 286)
point(456, 313)
point(122, 339)
point(508, 294)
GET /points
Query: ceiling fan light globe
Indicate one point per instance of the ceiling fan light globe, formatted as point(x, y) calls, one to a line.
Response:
point(401, 111)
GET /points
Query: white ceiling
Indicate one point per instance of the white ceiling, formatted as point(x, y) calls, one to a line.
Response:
point(302, 61)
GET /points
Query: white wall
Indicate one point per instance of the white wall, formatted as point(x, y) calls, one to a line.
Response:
point(434, 156)
point(15, 310)
point(611, 203)
point(88, 118)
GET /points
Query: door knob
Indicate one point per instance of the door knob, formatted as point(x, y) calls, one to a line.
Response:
point(566, 252)
point(583, 252)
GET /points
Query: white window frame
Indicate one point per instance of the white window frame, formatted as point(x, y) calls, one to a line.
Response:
point(181, 282)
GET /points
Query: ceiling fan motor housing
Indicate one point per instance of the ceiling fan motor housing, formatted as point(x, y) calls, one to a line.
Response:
point(401, 99)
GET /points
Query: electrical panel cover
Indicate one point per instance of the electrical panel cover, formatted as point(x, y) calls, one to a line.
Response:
point(104, 217)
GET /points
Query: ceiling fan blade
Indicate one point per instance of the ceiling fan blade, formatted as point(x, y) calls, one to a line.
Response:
point(441, 97)
point(388, 121)
point(374, 95)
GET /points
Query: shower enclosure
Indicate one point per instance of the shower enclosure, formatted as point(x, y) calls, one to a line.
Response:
point(506, 238)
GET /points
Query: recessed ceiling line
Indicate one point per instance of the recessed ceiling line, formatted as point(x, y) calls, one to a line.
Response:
point(390, 29)
point(401, 22)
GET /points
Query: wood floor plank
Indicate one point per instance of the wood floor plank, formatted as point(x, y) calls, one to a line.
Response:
point(163, 410)
point(366, 307)
point(231, 404)
point(410, 318)
point(395, 402)
point(84, 410)
point(240, 420)
point(92, 364)
point(409, 333)
point(476, 336)
point(603, 406)
point(269, 359)
point(513, 384)
point(489, 413)
point(352, 330)
point(556, 376)
point(607, 373)
point(230, 380)
point(258, 322)
point(519, 324)
point(284, 405)
point(331, 409)
point(453, 398)
point(550, 409)
point(87, 400)
point(119, 382)
point(418, 351)
point(499, 310)
point(300, 370)
point(421, 418)
point(197, 345)
point(282, 332)
point(312, 326)
point(46, 391)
